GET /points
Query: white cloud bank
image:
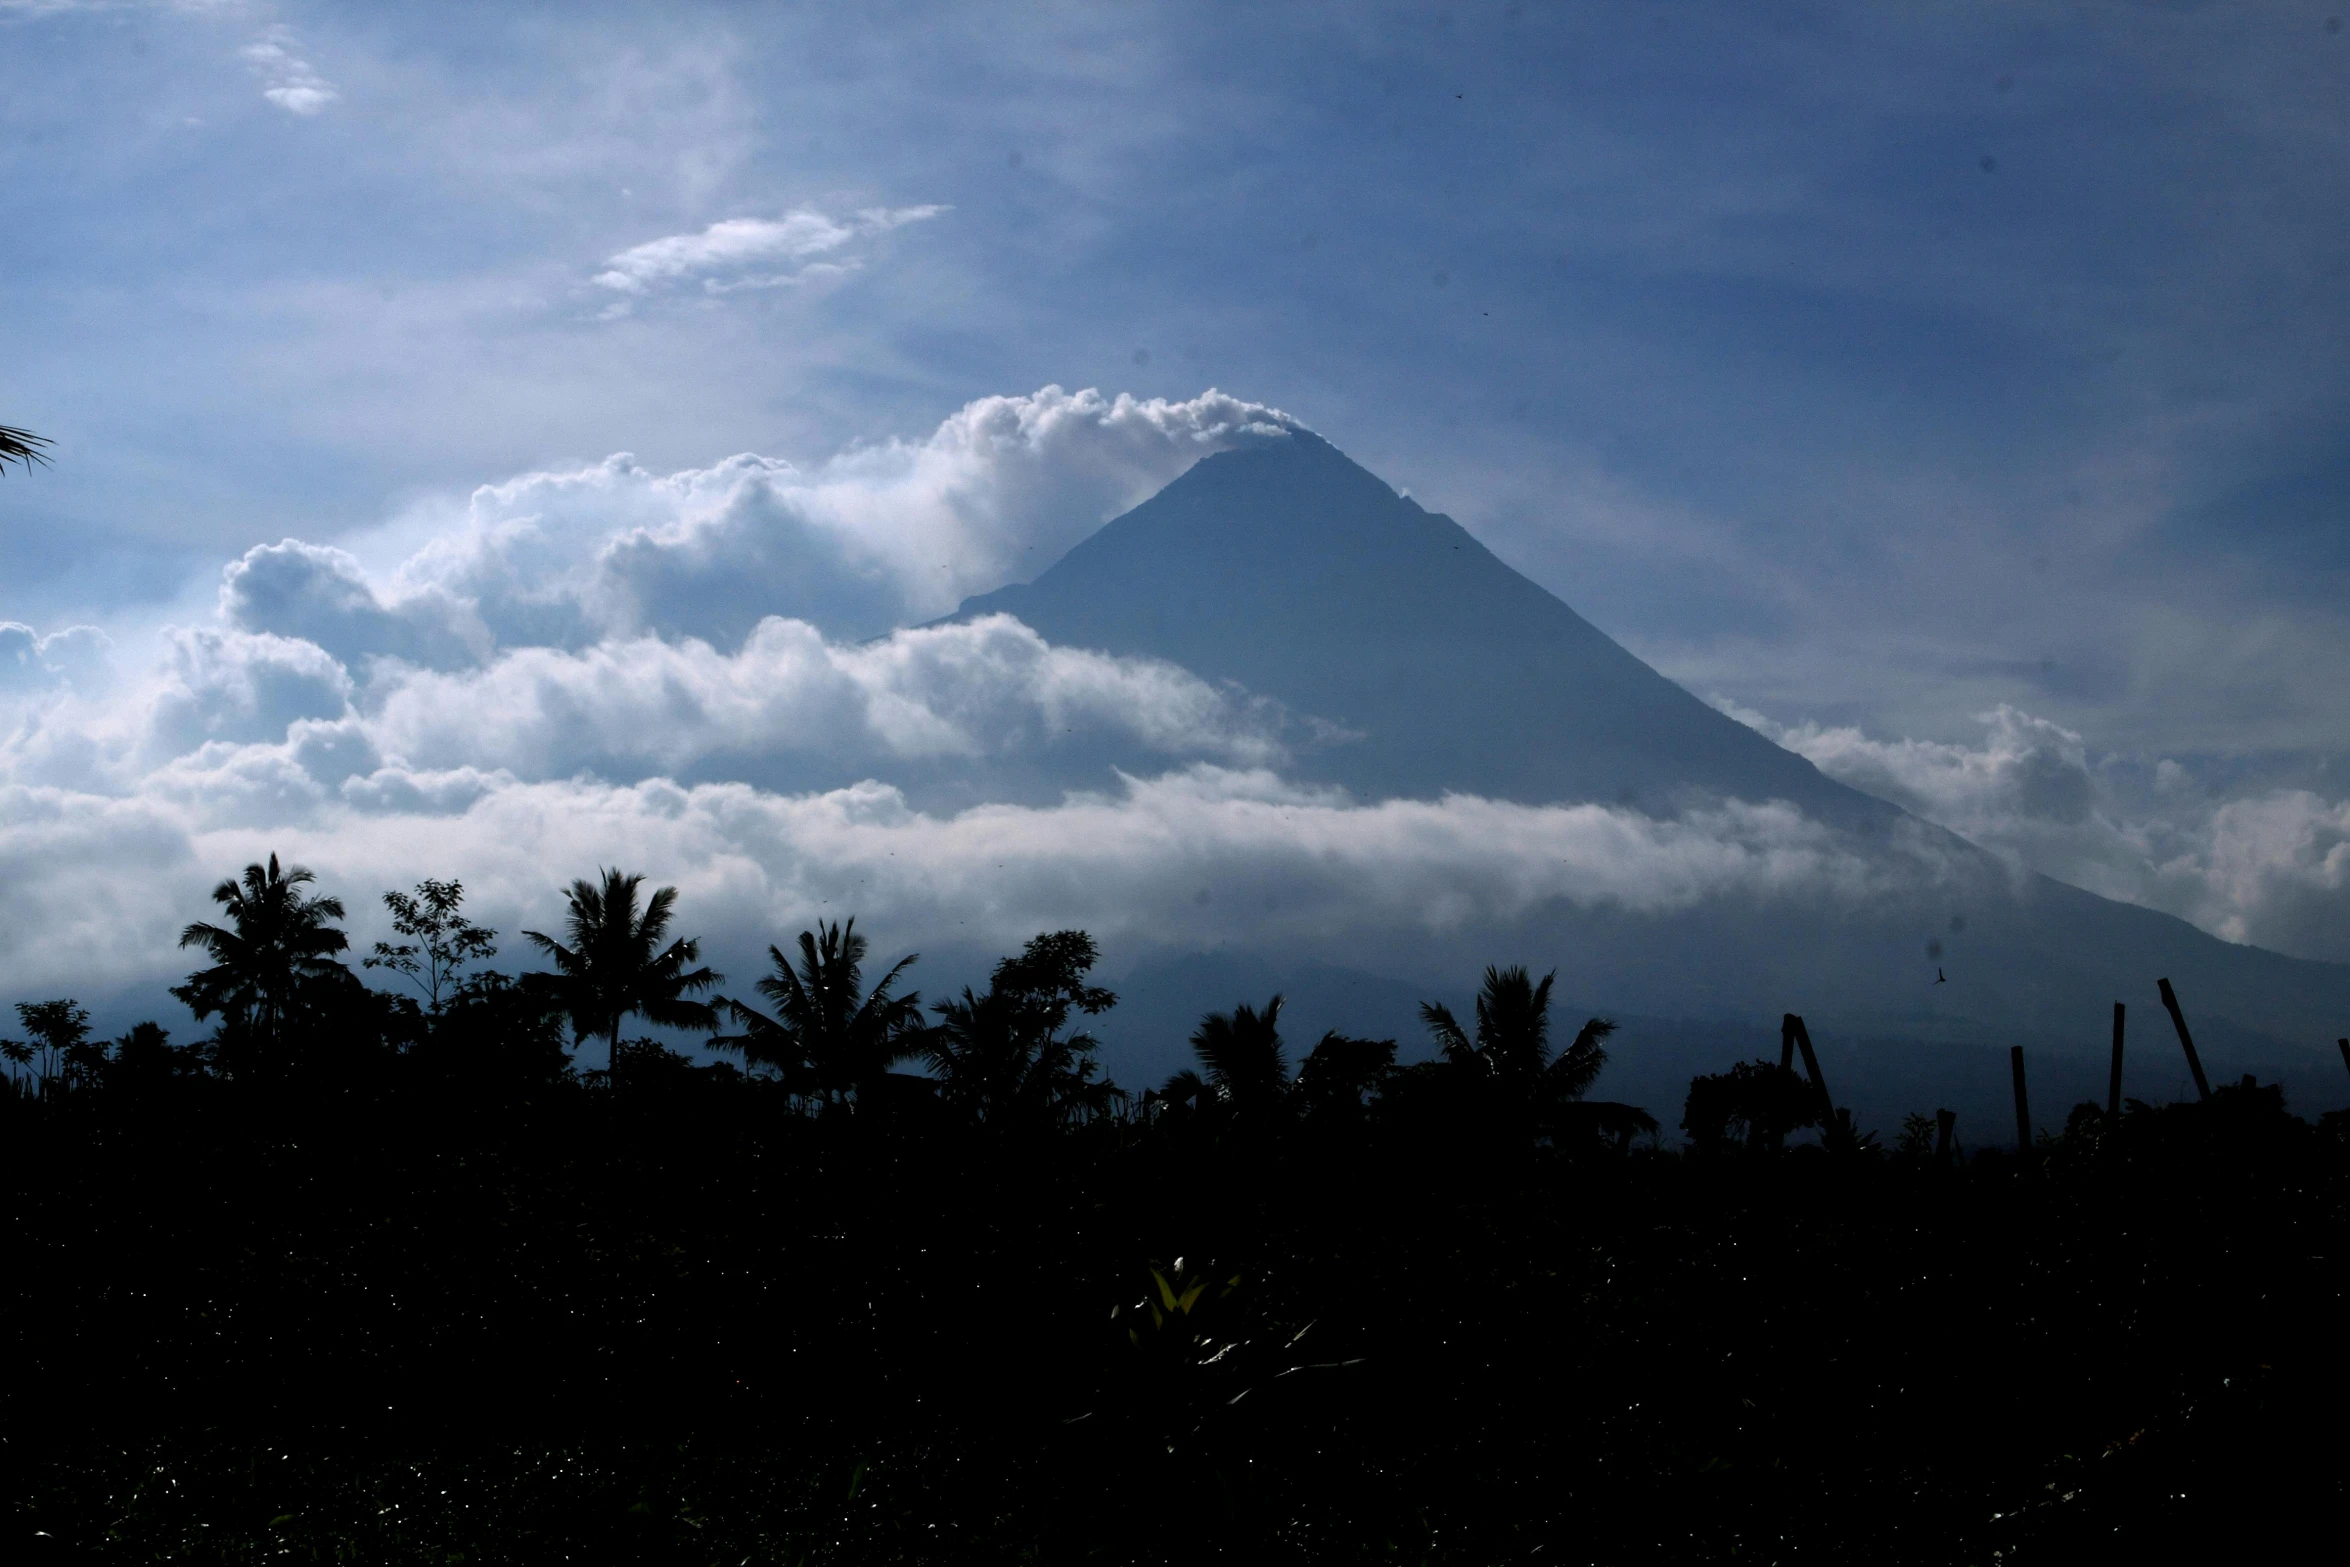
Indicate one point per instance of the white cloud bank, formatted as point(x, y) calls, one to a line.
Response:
point(2271, 868)
point(642, 707)
point(1202, 856)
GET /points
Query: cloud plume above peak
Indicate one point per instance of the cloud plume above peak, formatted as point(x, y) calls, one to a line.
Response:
point(877, 536)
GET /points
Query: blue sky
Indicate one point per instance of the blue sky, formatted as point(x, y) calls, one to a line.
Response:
point(1958, 391)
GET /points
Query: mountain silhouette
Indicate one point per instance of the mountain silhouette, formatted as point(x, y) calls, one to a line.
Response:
point(1299, 574)
point(1432, 667)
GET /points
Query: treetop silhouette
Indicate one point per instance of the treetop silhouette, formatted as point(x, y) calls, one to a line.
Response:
point(1003, 1057)
point(615, 966)
point(1247, 1071)
point(829, 1036)
point(442, 942)
point(276, 950)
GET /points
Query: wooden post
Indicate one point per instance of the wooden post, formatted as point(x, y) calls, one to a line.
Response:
point(2178, 1020)
point(2023, 1104)
point(2113, 1084)
point(1946, 1125)
point(1791, 1027)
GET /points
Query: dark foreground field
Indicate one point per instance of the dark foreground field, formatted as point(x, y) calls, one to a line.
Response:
point(682, 1323)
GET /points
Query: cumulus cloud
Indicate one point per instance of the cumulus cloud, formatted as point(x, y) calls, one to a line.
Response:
point(256, 716)
point(642, 707)
point(239, 687)
point(289, 80)
point(320, 595)
point(738, 253)
point(2272, 868)
point(2028, 772)
point(31, 661)
point(877, 536)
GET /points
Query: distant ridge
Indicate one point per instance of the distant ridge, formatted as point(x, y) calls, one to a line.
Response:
point(1291, 569)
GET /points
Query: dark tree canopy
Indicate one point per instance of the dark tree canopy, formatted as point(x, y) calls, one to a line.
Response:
point(1341, 1074)
point(615, 965)
point(275, 955)
point(828, 1035)
point(1247, 1071)
point(1512, 1045)
point(1006, 1057)
point(1753, 1105)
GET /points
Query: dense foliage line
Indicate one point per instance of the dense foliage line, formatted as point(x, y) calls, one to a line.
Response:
point(394, 1275)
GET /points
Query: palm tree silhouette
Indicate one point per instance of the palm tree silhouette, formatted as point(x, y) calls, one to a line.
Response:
point(1247, 1071)
point(21, 447)
point(1513, 1037)
point(1511, 1054)
point(277, 946)
point(1002, 1056)
point(616, 967)
point(829, 1034)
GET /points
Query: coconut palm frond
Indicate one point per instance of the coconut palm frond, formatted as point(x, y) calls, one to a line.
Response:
point(1242, 1051)
point(1451, 1038)
point(21, 447)
point(1578, 1066)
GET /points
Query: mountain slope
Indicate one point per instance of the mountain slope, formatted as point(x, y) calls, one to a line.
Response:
point(1292, 570)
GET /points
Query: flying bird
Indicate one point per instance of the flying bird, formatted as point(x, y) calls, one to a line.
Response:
point(1941, 978)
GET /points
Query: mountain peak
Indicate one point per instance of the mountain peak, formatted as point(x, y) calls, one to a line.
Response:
point(1292, 570)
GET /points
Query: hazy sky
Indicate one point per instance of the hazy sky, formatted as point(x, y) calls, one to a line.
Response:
point(1956, 391)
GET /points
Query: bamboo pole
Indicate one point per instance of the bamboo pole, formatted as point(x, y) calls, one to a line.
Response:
point(2113, 1083)
point(2023, 1103)
point(1791, 1027)
point(2178, 1020)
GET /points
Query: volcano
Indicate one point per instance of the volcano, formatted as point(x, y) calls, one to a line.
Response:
point(1292, 571)
point(1417, 664)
